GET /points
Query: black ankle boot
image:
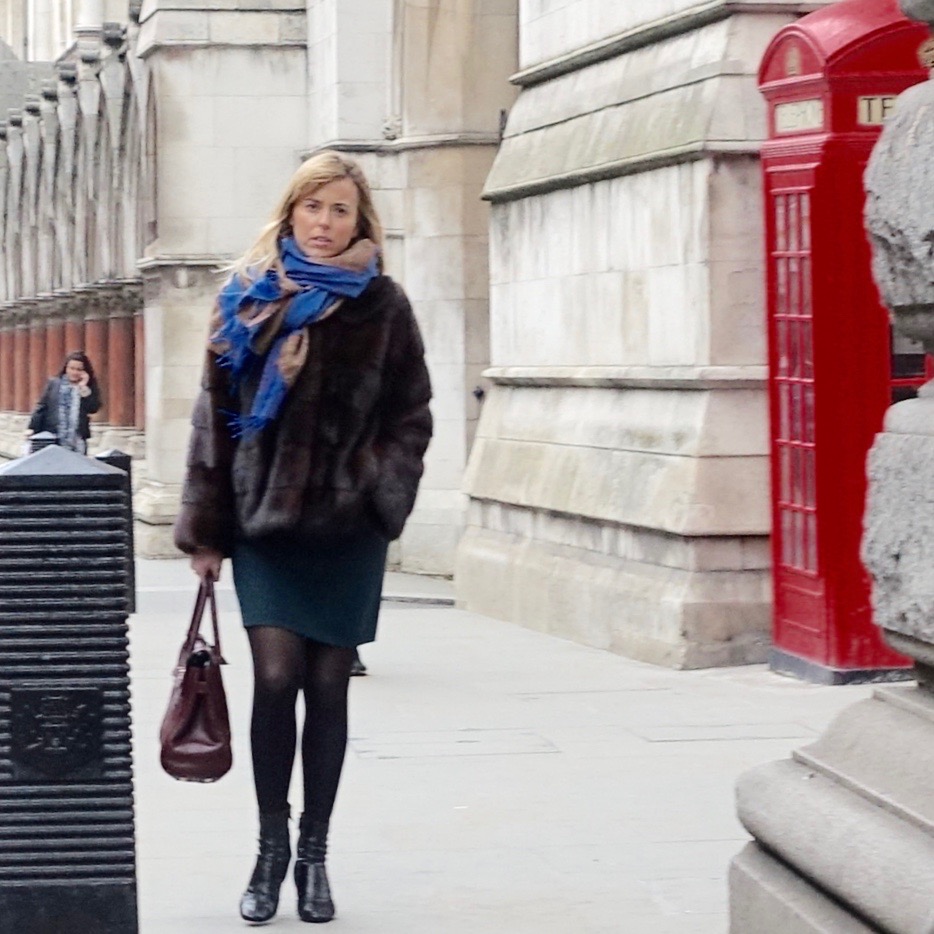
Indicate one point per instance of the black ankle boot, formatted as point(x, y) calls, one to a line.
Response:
point(261, 898)
point(311, 878)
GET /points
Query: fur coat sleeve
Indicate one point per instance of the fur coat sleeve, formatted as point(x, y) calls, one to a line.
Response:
point(206, 520)
point(405, 425)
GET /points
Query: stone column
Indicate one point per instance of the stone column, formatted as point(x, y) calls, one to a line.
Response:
point(120, 356)
point(21, 400)
point(6, 359)
point(55, 333)
point(73, 307)
point(139, 363)
point(844, 830)
point(37, 373)
point(95, 341)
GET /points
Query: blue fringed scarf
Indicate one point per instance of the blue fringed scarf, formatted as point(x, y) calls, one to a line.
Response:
point(240, 338)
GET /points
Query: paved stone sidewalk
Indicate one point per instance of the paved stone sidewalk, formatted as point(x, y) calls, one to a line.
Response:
point(498, 781)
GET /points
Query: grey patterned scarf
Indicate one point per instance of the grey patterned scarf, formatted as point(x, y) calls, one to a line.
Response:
point(69, 408)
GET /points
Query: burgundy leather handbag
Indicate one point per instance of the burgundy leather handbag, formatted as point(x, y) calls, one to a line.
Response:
point(195, 732)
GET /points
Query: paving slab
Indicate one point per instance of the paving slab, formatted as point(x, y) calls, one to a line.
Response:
point(497, 779)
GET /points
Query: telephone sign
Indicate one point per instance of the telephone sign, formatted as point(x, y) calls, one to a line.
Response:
point(872, 110)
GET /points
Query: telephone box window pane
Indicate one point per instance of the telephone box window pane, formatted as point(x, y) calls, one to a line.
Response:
point(907, 366)
point(807, 350)
point(806, 222)
point(795, 433)
point(794, 286)
point(785, 471)
point(802, 333)
point(781, 285)
point(797, 536)
point(793, 223)
point(797, 477)
point(907, 357)
point(784, 398)
point(811, 563)
point(807, 307)
point(810, 481)
point(808, 417)
point(794, 357)
point(781, 334)
point(787, 537)
point(903, 393)
point(781, 242)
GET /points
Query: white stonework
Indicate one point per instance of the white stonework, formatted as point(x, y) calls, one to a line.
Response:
point(555, 28)
point(619, 483)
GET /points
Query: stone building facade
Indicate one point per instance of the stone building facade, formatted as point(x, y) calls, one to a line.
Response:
point(619, 483)
point(572, 200)
point(152, 150)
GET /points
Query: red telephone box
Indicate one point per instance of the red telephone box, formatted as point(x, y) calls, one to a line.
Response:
point(829, 79)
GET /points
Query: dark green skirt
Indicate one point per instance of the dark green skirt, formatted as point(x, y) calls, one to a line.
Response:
point(328, 589)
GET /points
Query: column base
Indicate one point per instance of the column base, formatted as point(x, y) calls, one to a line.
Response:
point(155, 506)
point(850, 820)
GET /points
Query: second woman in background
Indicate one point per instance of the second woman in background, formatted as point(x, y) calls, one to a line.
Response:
point(67, 402)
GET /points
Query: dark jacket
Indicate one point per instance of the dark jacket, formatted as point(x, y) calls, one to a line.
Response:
point(346, 449)
point(45, 414)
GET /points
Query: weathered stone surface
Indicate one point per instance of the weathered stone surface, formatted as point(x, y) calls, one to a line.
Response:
point(900, 213)
point(922, 10)
point(767, 898)
point(899, 521)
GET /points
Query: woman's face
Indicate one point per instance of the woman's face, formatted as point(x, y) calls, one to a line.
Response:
point(74, 369)
point(324, 221)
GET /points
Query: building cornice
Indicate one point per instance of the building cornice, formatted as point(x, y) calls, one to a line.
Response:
point(696, 17)
point(408, 143)
point(632, 377)
point(693, 152)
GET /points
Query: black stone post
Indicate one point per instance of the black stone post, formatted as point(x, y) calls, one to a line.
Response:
point(67, 841)
point(117, 458)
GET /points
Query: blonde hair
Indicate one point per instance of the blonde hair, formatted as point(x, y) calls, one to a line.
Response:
point(319, 169)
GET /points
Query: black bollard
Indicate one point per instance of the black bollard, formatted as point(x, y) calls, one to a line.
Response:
point(67, 841)
point(117, 458)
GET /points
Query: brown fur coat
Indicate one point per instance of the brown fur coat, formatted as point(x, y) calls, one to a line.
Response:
point(346, 449)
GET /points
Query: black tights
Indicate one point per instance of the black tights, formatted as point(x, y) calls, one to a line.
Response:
point(283, 662)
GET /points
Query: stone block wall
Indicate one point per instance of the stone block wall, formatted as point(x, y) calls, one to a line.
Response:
point(619, 484)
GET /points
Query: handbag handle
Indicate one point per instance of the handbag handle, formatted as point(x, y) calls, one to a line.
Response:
point(205, 596)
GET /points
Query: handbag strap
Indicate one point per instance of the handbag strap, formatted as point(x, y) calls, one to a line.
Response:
point(205, 596)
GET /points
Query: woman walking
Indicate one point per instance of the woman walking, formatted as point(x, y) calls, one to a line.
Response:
point(303, 465)
point(67, 402)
